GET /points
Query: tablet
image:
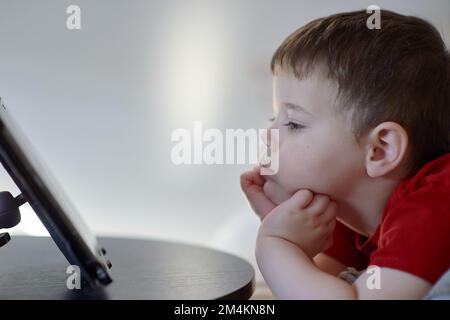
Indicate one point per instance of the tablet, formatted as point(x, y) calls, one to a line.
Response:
point(66, 227)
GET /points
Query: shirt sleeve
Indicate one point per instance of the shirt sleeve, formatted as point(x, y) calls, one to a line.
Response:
point(344, 248)
point(415, 234)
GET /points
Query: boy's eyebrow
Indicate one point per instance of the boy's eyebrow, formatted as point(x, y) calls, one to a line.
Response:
point(296, 107)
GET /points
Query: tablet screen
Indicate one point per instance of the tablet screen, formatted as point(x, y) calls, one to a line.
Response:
point(47, 197)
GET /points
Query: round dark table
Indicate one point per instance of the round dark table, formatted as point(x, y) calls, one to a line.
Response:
point(34, 268)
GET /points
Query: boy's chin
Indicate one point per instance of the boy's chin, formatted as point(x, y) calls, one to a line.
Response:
point(275, 193)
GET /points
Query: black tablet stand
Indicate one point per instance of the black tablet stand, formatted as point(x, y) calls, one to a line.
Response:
point(9, 213)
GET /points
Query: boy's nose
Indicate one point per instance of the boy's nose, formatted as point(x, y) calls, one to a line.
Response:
point(268, 140)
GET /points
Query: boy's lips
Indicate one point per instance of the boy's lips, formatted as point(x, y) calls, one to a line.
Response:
point(266, 170)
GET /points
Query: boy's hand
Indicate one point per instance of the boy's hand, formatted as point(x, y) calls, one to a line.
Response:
point(305, 219)
point(252, 183)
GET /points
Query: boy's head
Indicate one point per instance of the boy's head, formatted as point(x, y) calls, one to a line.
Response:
point(376, 102)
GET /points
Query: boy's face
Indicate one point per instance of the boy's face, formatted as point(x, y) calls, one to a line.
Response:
point(317, 150)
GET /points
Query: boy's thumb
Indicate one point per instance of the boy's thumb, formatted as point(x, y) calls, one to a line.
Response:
point(302, 198)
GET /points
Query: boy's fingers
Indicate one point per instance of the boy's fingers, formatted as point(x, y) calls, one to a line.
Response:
point(318, 205)
point(246, 180)
point(331, 225)
point(250, 189)
point(258, 178)
point(300, 199)
point(253, 190)
point(330, 213)
point(260, 204)
point(251, 177)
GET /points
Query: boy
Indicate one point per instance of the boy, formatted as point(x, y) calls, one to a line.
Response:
point(364, 163)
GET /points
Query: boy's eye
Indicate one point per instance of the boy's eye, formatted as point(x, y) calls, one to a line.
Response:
point(294, 126)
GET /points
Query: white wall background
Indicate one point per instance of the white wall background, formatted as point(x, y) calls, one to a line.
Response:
point(100, 104)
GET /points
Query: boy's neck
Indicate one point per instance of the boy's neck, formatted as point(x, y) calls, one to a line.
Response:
point(363, 210)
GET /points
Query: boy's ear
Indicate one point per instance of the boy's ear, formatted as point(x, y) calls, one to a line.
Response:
point(385, 148)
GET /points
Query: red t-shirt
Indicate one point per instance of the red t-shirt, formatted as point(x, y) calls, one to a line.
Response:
point(414, 234)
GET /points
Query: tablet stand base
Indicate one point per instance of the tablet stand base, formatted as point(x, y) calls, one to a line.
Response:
point(4, 238)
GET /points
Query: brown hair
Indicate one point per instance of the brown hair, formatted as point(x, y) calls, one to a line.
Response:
point(398, 73)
